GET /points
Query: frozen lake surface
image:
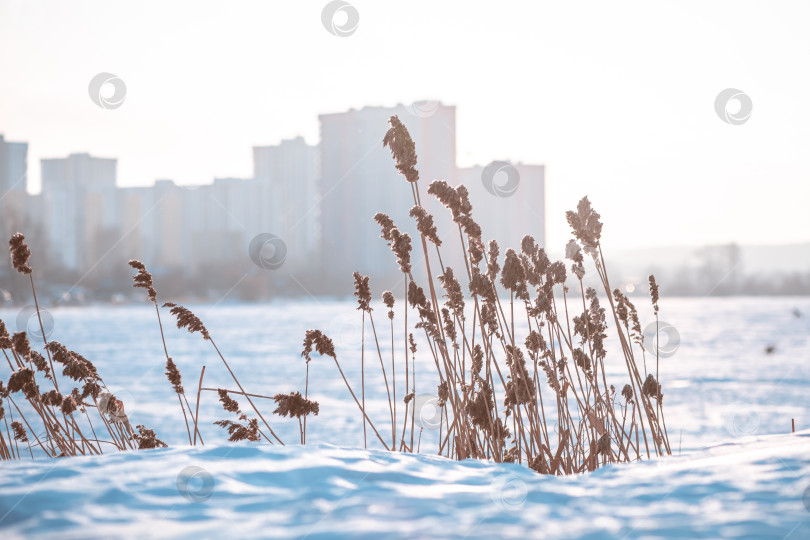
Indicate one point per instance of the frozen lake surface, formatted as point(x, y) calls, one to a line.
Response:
point(728, 401)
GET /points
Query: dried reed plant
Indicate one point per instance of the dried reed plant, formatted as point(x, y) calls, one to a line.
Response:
point(55, 423)
point(501, 395)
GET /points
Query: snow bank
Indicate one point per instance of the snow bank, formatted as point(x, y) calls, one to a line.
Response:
point(749, 488)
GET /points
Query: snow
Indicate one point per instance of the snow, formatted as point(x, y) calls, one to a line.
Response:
point(729, 404)
point(748, 489)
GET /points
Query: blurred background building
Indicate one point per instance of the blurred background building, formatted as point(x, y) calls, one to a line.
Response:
point(319, 202)
point(318, 199)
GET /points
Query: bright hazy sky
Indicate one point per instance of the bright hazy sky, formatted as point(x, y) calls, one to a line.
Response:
point(616, 98)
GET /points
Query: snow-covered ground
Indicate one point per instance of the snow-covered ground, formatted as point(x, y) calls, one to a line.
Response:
point(728, 402)
point(751, 488)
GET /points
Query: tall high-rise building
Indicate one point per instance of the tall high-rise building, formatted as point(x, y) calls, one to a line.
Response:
point(13, 166)
point(287, 197)
point(81, 216)
point(14, 212)
point(358, 179)
point(508, 201)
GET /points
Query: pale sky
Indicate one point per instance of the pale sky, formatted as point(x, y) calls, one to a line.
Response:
point(616, 98)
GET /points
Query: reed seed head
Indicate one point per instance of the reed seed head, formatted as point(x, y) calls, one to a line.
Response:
point(19, 253)
point(5, 338)
point(492, 262)
point(317, 340)
point(442, 393)
point(295, 405)
point(187, 319)
point(402, 148)
point(388, 300)
point(475, 248)
point(448, 196)
point(401, 246)
point(21, 345)
point(173, 374)
point(513, 277)
point(425, 225)
point(143, 279)
point(238, 432)
point(585, 225)
point(69, 405)
point(654, 293)
point(477, 360)
point(146, 439)
point(603, 445)
point(627, 393)
point(40, 363)
point(91, 388)
point(23, 381)
point(363, 292)
point(75, 365)
point(52, 398)
point(228, 403)
point(386, 224)
point(449, 326)
point(652, 388)
point(454, 294)
point(19, 432)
